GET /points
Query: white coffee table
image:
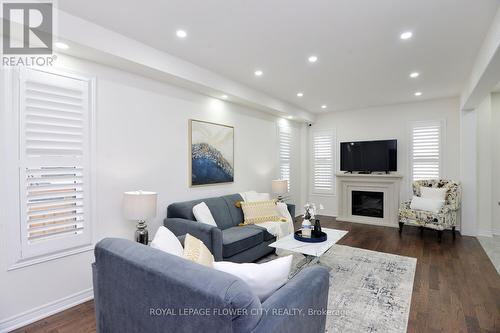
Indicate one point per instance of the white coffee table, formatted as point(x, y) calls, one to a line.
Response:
point(311, 251)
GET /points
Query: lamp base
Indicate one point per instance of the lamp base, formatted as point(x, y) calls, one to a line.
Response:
point(141, 234)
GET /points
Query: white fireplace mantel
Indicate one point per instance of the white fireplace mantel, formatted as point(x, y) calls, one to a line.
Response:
point(388, 184)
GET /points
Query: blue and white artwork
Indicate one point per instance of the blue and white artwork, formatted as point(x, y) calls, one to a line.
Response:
point(212, 153)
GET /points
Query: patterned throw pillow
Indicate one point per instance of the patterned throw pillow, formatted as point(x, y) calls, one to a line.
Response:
point(196, 251)
point(260, 211)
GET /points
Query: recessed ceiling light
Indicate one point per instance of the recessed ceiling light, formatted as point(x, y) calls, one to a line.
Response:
point(312, 58)
point(414, 75)
point(181, 33)
point(323, 106)
point(300, 94)
point(418, 93)
point(223, 96)
point(258, 72)
point(61, 45)
point(290, 117)
point(406, 35)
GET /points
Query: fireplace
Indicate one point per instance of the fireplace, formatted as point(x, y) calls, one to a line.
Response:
point(369, 204)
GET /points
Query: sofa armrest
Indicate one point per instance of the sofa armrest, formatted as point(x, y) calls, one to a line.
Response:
point(291, 209)
point(298, 306)
point(211, 236)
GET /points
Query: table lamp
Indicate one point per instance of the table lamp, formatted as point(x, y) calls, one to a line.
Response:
point(140, 206)
point(279, 187)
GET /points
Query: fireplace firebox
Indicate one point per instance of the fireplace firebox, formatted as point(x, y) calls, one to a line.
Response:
point(369, 204)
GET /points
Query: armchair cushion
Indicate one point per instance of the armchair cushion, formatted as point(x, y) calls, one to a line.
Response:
point(430, 205)
point(453, 190)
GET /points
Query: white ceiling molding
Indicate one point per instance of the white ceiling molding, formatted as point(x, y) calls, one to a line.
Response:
point(93, 42)
point(485, 73)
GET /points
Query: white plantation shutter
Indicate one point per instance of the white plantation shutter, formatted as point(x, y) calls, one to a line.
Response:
point(426, 150)
point(323, 162)
point(285, 149)
point(54, 162)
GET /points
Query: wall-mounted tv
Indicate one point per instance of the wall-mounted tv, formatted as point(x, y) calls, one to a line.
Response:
point(369, 156)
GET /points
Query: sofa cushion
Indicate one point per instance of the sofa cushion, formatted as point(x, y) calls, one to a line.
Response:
point(264, 279)
point(235, 212)
point(218, 207)
point(223, 209)
point(238, 239)
point(196, 251)
point(265, 233)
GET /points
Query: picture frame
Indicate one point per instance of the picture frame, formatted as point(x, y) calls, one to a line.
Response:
point(211, 153)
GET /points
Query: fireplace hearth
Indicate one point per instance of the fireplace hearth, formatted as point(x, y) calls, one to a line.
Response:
point(370, 204)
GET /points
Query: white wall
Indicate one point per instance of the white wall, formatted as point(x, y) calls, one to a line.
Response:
point(488, 164)
point(468, 172)
point(393, 122)
point(484, 167)
point(495, 122)
point(142, 143)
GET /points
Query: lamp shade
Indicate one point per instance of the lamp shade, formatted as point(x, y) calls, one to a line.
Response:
point(139, 205)
point(279, 186)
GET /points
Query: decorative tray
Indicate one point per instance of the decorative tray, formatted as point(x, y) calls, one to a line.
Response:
point(316, 237)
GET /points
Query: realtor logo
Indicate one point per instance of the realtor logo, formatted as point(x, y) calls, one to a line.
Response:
point(27, 28)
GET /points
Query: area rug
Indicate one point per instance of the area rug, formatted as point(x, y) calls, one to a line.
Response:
point(369, 291)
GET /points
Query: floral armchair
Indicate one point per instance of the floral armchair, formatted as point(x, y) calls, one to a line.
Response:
point(445, 219)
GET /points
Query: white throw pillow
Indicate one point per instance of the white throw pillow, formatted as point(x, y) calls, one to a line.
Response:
point(202, 214)
point(433, 193)
point(166, 241)
point(283, 211)
point(430, 205)
point(244, 194)
point(254, 196)
point(264, 279)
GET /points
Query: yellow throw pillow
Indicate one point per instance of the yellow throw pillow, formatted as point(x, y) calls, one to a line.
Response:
point(260, 211)
point(196, 251)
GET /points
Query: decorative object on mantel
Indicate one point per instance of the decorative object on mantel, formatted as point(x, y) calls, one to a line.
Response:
point(140, 206)
point(280, 187)
point(211, 150)
point(445, 218)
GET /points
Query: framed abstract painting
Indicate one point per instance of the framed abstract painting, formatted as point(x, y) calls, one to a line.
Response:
point(211, 153)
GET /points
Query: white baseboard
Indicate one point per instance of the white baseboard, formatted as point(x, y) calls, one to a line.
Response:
point(484, 233)
point(45, 310)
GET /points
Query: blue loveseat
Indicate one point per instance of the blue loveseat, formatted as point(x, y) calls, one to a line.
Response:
point(228, 241)
point(138, 289)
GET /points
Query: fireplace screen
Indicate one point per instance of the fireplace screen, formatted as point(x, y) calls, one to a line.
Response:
point(369, 204)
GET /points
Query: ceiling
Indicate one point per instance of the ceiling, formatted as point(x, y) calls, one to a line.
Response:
point(362, 61)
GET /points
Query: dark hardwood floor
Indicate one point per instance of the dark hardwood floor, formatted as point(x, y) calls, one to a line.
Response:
point(456, 287)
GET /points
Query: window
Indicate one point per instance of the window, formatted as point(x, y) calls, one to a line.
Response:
point(285, 148)
point(54, 162)
point(426, 150)
point(323, 162)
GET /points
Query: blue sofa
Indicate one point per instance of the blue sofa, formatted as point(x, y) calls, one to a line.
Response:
point(141, 289)
point(228, 241)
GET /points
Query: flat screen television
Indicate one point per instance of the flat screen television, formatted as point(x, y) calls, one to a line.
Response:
point(369, 156)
